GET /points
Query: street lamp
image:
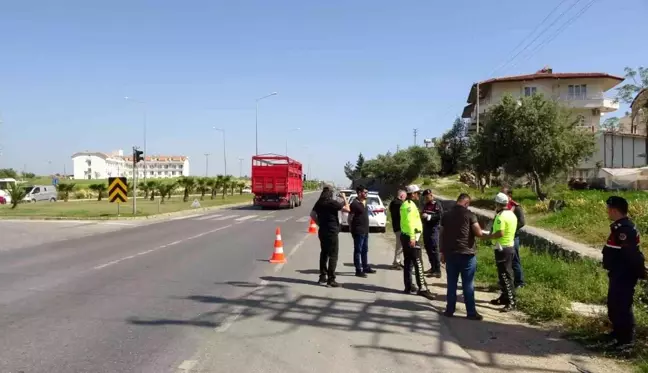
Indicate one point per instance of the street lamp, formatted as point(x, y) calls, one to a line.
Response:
point(224, 150)
point(207, 164)
point(256, 123)
point(292, 130)
point(308, 173)
point(241, 167)
point(127, 98)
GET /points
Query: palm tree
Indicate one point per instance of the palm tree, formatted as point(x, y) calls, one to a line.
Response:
point(163, 190)
point(65, 189)
point(16, 193)
point(214, 184)
point(227, 182)
point(150, 186)
point(233, 185)
point(188, 183)
point(172, 185)
point(240, 185)
point(202, 184)
point(100, 189)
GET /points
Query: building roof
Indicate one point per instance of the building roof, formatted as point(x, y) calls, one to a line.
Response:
point(150, 158)
point(87, 154)
point(546, 73)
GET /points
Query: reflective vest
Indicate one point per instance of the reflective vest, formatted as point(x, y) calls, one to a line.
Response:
point(410, 219)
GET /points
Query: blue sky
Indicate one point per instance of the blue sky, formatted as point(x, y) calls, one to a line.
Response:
point(352, 75)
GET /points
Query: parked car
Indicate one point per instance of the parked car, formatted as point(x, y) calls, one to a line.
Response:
point(246, 190)
point(37, 193)
point(3, 201)
point(377, 213)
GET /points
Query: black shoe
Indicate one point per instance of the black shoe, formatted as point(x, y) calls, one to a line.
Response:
point(447, 313)
point(517, 286)
point(333, 284)
point(428, 272)
point(476, 317)
point(396, 267)
point(436, 275)
point(497, 301)
point(361, 274)
point(369, 270)
point(508, 308)
point(322, 280)
point(426, 294)
point(412, 290)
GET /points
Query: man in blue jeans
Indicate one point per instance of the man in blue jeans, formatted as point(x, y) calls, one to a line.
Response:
point(359, 228)
point(459, 227)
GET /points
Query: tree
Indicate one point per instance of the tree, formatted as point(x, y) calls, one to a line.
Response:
point(65, 189)
point(533, 137)
point(202, 184)
point(29, 175)
point(214, 184)
point(8, 173)
point(16, 193)
point(637, 80)
point(404, 167)
point(146, 187)
point(225, 184)
point(164, 189)
point(100, 189)
point(358, 171)
point(154, 186)
point(453, 148)
point(188, 183)
point(240, 185)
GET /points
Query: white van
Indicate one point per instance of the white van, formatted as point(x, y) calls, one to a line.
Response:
point(37, 193)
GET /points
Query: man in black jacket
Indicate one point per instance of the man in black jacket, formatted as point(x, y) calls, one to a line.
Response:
point(519, 214)
point(394, 211)
point(431, 218)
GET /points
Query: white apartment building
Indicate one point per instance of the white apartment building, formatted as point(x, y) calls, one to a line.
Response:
point(98, 165)
point(584, 92)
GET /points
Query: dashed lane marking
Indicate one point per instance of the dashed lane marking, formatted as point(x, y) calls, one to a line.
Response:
point(161, 247)
point(226, 217)
point(187, 365)
point(244, 218)
point(284, 219)
point(208, 217)
point(305, 219)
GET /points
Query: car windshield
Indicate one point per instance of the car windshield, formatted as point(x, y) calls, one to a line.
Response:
point(371, 200)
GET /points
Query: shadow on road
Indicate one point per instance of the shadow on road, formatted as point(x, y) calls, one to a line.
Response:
point(278, 301)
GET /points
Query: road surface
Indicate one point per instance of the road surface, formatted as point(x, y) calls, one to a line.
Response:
point(196, 294)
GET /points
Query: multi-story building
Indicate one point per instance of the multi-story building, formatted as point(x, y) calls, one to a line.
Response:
point(584, 92)
point(98, 165)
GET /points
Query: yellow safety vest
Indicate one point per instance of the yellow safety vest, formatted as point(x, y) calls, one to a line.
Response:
point(410, 223)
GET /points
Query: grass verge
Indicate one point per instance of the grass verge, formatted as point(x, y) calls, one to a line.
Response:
point(584, 218)
point(553, 283)
point(107, 210)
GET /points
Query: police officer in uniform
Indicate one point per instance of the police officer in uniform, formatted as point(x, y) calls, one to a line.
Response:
point(411, 229)
point(431, 217)
point(624, 262)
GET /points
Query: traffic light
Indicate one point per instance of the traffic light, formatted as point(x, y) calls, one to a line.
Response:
point(138, 156)
point(304, 177)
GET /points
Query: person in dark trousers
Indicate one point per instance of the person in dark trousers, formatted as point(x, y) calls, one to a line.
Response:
point(503, 233)
point(359, 228)
point(411, 229)
point(431, 217)
point(394, 211)
point(624, 262)
point(459, 227)
point(325, 215)
point(518, 274)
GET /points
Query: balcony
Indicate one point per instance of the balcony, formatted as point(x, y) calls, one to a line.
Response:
point(604, 104)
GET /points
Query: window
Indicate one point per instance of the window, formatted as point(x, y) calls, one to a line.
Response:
point(529, 91)
point(577, 92)
point(581, 120)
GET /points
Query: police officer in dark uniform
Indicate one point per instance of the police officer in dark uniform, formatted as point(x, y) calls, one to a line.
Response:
point(624, 262)
point(431, 217)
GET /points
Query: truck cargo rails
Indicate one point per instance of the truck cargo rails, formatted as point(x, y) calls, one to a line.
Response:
point(277, 181)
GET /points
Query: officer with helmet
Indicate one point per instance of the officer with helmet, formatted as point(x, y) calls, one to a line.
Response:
point(411, 229)
point(503, 233)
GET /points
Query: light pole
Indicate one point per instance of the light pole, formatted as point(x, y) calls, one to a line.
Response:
point(308, 172)
point(291, 130)
point(224, 149)
point(206, 164)
point(240, 168)
point(256, 122)
point(144, 125)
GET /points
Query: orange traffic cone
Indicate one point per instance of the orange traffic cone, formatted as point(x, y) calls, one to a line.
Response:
point(312, 228)
point(278, 254)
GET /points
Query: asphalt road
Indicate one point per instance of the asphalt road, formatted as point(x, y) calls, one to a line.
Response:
point(196, 294)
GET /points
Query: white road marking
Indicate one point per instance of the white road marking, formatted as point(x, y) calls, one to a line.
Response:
point(115, 223)
point(226, 217)
point(284, 219)
point(239, 310)
point(186, 217)
point(187, 365)
point(265, 218)
point(243, 218)
point(161, 247)
point(305, 219)
point(207, 217)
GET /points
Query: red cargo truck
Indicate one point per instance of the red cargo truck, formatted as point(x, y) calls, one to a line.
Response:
point(277, 181)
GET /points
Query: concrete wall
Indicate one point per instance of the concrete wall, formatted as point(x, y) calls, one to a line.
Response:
point(617, 151)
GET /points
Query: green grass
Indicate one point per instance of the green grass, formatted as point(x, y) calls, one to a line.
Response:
point(553, 283)
point(106, 210)
point(584, 218)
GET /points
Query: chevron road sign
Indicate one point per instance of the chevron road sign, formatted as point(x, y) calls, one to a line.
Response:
point(117, 189)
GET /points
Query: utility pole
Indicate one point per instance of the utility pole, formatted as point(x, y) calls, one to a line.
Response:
point(240, 168)
point(397, 148)
point(206, 164)
point(415, 133)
